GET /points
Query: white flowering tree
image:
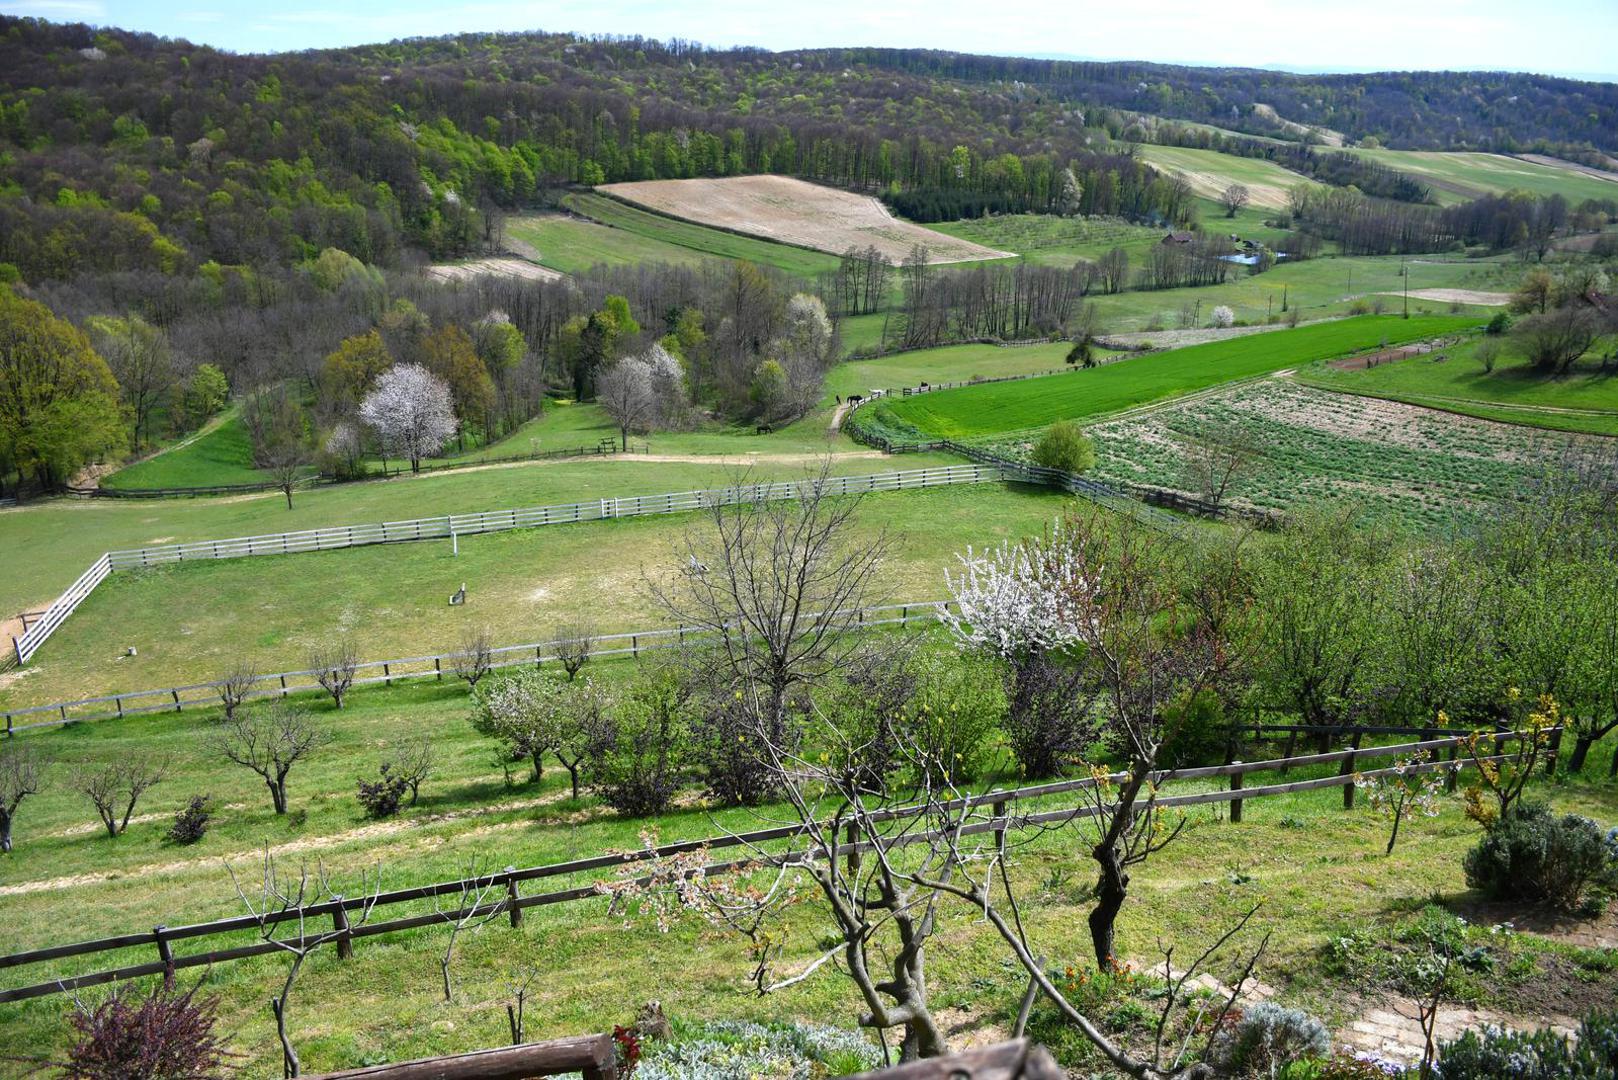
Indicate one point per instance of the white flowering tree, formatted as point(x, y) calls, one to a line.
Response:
point(1224, 317)
point(625, 391)
point(1014, 603)
point(411, 411)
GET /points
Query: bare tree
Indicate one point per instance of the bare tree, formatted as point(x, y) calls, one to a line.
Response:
point(279, 428)
point(270, 740)
point(413, 763)
point(22, 773)
point(334, 665)
point(467, 909)
point(474, 658)
point(626, 392)
point(280, 908)
point(1213, 462)
point(780, 586)
point(575, 641)
point(235, 685)
point(1234, 199)
point(115, 788)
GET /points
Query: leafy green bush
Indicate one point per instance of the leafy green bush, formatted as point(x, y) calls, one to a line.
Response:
point(955, 712)
point(1531, 854)
point(1196, 732)
point(1065, 446)
point(1498, 325)
point(1268, 1038)
point(740, 1048)
point(641, 748)
point(1494, 1053)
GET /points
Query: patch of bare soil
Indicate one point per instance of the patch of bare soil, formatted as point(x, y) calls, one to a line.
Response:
point(1174, 339)
point(1572, 166)
point(499, 267)
point(1458, 296)
point(1292, 127)
point(796, 212)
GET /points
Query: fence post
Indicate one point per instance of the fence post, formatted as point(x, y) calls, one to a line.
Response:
point(1000, 826)
point(1236, 804)
point(387, 674)
point(165, 954)
point(1454, 770)
point(283, 686)
point(512, 897)
point(1552, 751)
point(176, 694)
point(339, 921)
point(852, 834)
point(1348, 770)
point(438, 668)
point(1292, 743)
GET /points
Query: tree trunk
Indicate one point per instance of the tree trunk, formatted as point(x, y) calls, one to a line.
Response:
point(539, 765)
point(1111, 888)
point(5, 833)
point(1581, 749)
point(1393, 837)
point(288, 492)
point(278, 795)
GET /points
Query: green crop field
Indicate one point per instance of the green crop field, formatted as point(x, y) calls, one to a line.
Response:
point(574, 244)
point(698, 238)
point(1006, 407)
point(67, 881)
point(1423, 468)
point(1050, 240)
point(1458, 177)
point(189, 622)
point(1585, 399)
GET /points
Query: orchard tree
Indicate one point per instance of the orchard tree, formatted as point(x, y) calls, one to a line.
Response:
point(270, 739)
point(625, 391)
point(59, 406)
point(21, 775)
point(1235, 198)
point(411, 411)
point(283, 445)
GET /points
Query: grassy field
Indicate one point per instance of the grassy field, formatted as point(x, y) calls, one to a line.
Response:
point(221, 453)
point(1000, 408)
point(1458, 177)
point(1318, 869)
point(574, 244)
point(1426, 469)
point(1211, 172)
point(697, 238)
point(1585, 399)
point(189, 622)
point(1050, 240)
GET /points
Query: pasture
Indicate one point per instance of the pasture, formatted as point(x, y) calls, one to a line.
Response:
point(1303, 855)
point(191, 621)
point(1049, 240)
point(1210, 172)
point(1457, 177)
point(796, 212)
point(976, 411)
point(1419, 467)
point(1453, 379)
point(573, 244)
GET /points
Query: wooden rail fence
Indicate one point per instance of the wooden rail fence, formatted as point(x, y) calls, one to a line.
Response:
point(456, 525)
point(387, 672)
point(513, 903)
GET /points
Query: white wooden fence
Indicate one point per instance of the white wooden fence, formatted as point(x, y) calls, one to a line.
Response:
point(454, 525)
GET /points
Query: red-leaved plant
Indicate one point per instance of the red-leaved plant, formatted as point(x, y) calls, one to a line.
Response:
point(628, 1049)
point(167, 1035)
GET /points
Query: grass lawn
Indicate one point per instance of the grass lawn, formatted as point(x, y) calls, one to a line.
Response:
point(1211, 172)
point(1004, 407)
point(1459, 177)
point(698, 238)
point(1051, 240)
point(221, 453)
point(1318, 869)
point(948, 363)
point(1585, 399)
point(189, 622)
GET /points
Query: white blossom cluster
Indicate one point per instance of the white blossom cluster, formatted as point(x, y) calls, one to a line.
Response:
point(1018, 598)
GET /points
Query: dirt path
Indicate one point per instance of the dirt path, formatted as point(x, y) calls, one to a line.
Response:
point(837, 417)
point(1390, 1028)
point(1458, 296)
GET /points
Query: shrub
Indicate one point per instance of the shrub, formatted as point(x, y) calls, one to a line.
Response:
point(192, 821)
point(1065, 446)
point(1268, 1038)
point(742, 1048)
point(957, 708)
point(1223, 317)
point(1196, 732)
point(381, 797)
point(1494, 1053)
point(165, 1036)
point(1498, 325)
point(1531, 854)
point(640, 748)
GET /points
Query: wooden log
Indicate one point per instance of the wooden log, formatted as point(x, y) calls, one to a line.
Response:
point(593, 1055)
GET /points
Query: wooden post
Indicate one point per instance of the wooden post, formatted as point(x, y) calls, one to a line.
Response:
point(387, 674)
point(1454, 770)
point(165, 954)
point(1292, 743)
point(1236, 804)
point(1553, 751)
point(1000, 827)
point(512, 896)
point(339, 920)
point(176, 694)
point(1348, 770)
point(438, 668)
point(852, 833)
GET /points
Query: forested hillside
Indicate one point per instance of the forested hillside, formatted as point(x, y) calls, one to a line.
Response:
point(153, 154)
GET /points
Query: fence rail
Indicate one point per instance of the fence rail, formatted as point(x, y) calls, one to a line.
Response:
point(457, 525)
point(162, 939)
point(387, 672)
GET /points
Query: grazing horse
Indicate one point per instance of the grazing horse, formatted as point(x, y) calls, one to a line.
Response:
point(855, 399)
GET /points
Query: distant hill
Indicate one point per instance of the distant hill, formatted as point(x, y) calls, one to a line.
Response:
point(122, 151)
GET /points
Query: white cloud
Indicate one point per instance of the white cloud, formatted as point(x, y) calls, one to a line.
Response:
point(57, 9)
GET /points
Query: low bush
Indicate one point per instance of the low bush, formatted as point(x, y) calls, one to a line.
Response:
point(642, 746)
point(1268, 1038)
point(1196, 733)
point(191, 822)
point(740, 1048)
point(1532, 854)
point(381, 797)
point(1493, 1053)
point(1065, 446)
point(167, 1035)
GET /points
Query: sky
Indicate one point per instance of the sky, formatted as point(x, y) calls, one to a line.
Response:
point(1566, 37)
